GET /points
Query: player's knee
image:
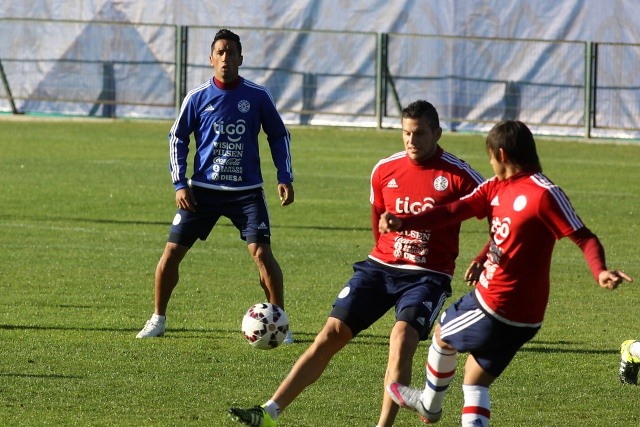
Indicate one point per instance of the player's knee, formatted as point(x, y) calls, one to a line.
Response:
point(404, 334)
point(262, 255)
point(174, 253)
point(335, 332)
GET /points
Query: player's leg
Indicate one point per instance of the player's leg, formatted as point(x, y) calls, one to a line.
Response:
point(270, 276)
point(166, 279)
point(269, 271)
point(441, 365)
point(403, 344)
point(308, 368)
point(358, 305)
point(186, 228)
point(489, 357)
point(248, 212)
point(167, 275)
point(422, 298)
point(427, 402)
point(476, 409)
point(451, 333)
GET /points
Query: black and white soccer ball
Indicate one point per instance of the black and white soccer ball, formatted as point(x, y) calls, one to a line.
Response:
point(265, 325)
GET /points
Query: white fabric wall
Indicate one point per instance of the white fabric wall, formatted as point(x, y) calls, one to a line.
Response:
point(574, 20)
point(595, 20)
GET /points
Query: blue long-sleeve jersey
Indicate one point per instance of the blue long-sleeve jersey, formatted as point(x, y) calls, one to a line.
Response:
point(225, 125)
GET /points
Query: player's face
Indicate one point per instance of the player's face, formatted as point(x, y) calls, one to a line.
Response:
point(225, 60)
point(420, 141)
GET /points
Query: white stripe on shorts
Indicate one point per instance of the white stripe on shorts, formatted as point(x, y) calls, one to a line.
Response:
point(460, 323)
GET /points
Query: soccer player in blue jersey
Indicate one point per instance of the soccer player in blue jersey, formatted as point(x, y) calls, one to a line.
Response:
point(224, 115)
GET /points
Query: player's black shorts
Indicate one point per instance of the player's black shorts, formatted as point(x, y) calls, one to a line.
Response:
point(493, 343)
point(247, 210)
point(418, 296)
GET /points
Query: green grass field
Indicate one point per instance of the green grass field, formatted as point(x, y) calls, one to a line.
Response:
point(84, 213)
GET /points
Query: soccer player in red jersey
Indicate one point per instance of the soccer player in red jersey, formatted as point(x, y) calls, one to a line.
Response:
point(528, 213)
point(410, 270)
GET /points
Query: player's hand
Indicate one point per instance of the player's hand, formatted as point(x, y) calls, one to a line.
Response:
point(472, 275)
point(285, 191)
point(611, 279)
point(185, 199)
point(388, 223)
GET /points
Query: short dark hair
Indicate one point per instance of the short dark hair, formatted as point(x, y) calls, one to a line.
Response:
point(516, 140)
point(225, 34)
point(422, 108)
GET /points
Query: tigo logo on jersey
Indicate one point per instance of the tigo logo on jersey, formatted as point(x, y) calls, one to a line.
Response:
point(407, 206)
point(233, 131)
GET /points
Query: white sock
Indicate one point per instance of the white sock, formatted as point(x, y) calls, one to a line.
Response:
point(634, 349)
point(441, 368)
point(158, 318)
point(477, 406)
point(272, 409)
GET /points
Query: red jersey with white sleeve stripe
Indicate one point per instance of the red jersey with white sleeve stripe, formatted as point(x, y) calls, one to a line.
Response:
point(405, 187)
point(528, 214)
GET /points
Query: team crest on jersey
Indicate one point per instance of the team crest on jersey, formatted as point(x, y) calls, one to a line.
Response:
point(519, 203)
point(441, 183)
point(244, 106)
point(344, 292)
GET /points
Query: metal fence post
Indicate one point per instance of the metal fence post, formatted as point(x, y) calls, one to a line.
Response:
point(182, 39)
point(588, 89)
point(381, 48)
point(7, 89)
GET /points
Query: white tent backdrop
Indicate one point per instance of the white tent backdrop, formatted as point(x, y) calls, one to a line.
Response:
point(604, 21)
point(151, 47)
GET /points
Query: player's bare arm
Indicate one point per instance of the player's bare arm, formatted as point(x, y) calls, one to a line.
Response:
point(285, 191)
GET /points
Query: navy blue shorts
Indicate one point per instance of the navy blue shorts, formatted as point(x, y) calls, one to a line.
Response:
point(465, 327)
point(247, 210)
point(418, 297)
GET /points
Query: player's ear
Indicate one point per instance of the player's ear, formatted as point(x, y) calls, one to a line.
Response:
point(240, 62)
point(502, 156)
point(438, 133)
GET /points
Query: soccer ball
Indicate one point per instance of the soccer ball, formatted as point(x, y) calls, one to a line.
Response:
point(265, 325)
